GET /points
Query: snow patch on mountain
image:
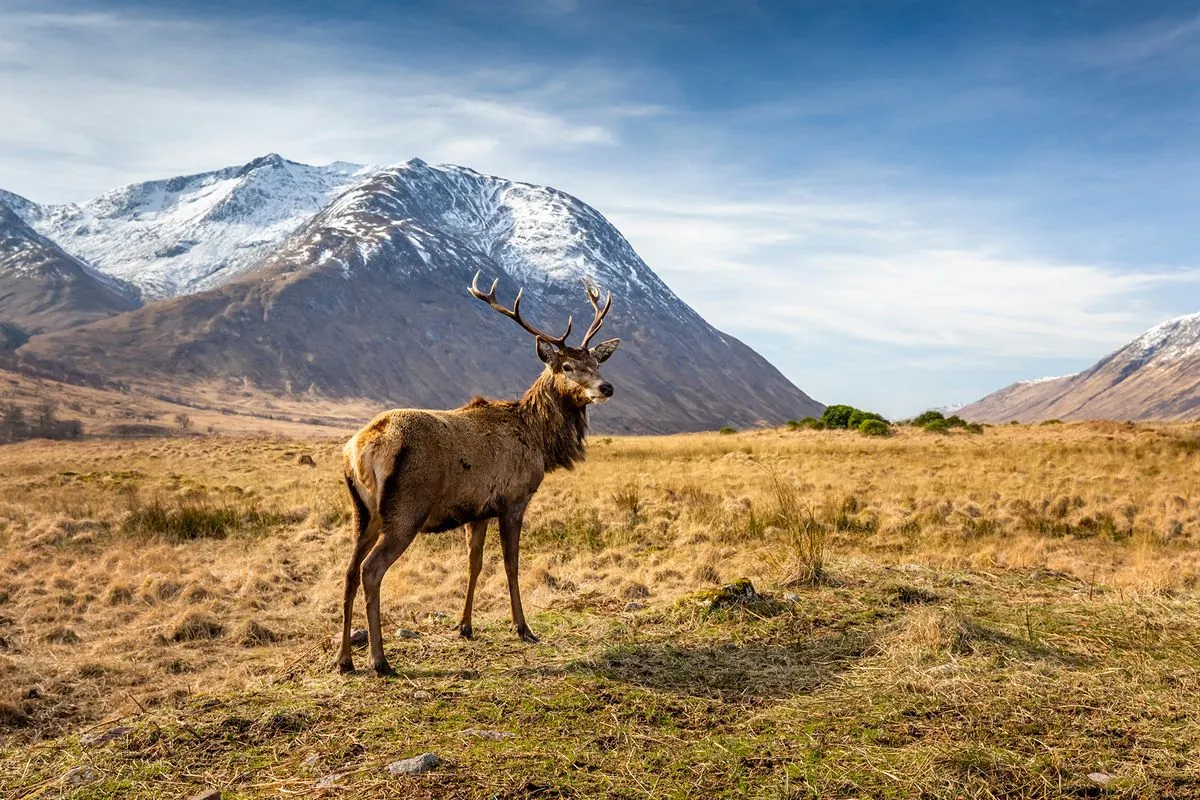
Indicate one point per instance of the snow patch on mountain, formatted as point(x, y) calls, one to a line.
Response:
point(1169, 341)
point(189, 233)
point(1047, 379)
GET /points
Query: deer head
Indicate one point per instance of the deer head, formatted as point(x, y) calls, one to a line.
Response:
point(575, 370)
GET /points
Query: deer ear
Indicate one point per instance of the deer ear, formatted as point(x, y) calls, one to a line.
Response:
point(605, 349)
point(545, 351)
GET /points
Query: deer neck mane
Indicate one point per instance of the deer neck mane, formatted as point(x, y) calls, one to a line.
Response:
point(558, 421)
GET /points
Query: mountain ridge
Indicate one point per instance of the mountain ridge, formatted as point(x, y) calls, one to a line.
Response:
point(1154, 376)
point(367, 298)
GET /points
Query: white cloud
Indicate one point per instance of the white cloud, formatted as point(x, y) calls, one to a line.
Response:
point(855, 253)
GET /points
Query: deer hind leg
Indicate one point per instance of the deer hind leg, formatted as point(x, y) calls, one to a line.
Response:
point(365, 536)
point(400, 525)
point(475, 535)
point(510, 543)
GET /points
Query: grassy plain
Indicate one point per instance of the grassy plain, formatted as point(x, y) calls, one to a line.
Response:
point(1010, 614)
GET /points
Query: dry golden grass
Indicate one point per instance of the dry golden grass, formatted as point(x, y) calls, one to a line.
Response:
point(968, 612)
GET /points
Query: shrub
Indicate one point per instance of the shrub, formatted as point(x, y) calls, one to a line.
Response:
point(955, 421)
point(859, 417)
point(921, 420)
point(874, 427)
point(1052, 422)
point(837, 416)
point(936, 426)
point(12, 336)
point(808, 423)
point(727, 430)
point(973, 427)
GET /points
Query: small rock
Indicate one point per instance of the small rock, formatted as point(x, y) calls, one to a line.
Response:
point(207, 794)
point(358, 638)
point(634, 605)
point(1101, 778)
point(304, 459)
point(415, 765)
point(421, 694)
point(80, 776)
point(331, 781)
point(407, 633)
point(93, 739)
point(494, 736)
point(437, 617)
point(792, 597)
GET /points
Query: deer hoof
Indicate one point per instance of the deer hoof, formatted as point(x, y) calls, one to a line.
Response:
point(527, 635)
point(465, 630)
point(384, 670)
point(345, 667)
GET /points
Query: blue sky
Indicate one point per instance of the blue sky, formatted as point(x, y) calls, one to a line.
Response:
point(901, 203)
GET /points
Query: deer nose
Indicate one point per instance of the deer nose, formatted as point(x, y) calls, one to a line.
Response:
point(606, 389)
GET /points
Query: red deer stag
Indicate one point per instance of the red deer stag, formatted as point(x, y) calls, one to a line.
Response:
point(410, 470)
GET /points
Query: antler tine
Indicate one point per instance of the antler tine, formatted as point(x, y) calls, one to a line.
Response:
point(593, 294)
point(515, 312)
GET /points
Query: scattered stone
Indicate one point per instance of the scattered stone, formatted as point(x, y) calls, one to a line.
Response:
point(331, 781)
point(437, 617)
point(207, 794)
point(792, 597)
point(80, 776)
point(421, 694)
point(495, 736)
point(94, 739)
point(305, 460)
point(1100, 778)
point(407, 633)
point(739, 593)
point(634, 605)
point(415, 765)
point(358, 638)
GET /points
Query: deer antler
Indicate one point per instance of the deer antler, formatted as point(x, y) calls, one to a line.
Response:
point(600, 313)
point(515, 312)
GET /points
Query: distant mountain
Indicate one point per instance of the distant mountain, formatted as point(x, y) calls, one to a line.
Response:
point(186, 234)
point(44, 289)
point(1156, 376)
point(368, 299)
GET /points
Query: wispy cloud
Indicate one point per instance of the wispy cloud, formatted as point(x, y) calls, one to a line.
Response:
point(950, 228)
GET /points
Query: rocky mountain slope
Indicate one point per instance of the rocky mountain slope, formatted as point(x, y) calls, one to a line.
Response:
point(1156, 376)
point(193, 232)
point(44, 289)
point(368, 299)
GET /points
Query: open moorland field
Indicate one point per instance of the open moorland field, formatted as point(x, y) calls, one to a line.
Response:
point(1007, 614)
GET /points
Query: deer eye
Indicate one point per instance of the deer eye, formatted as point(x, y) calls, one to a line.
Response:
point(567, 368)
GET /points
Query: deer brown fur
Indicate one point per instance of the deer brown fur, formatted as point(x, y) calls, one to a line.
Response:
point(411, 471)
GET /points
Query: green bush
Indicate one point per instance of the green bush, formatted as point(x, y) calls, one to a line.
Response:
point(808, 423)
point(973, 427)
point(1052, 422)
point(727, 430)
point(874, 427)
point(859, 417)
point(956, 421)
point(936, 426)
point(921, 420)
point(837, 416)
point(12, 336)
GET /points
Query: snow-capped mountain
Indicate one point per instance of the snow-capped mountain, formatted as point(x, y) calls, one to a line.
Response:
point(44, 289)
point(185, 234)
point(368, 299)
point(1156, 376)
